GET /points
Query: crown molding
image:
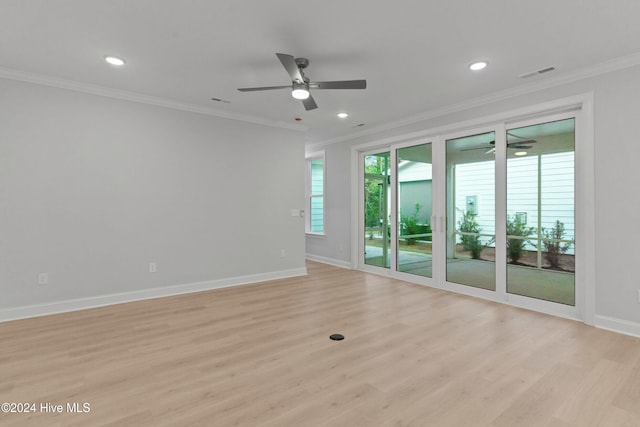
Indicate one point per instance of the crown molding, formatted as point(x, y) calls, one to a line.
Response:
point(44, 80)
point(560, 80)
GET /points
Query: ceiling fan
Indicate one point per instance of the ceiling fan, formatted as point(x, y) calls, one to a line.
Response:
point(301, 84)
point(521, 144)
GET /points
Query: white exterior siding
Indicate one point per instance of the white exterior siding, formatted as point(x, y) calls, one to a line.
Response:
point(477, 179)
point(557, 184)
point(558, 191)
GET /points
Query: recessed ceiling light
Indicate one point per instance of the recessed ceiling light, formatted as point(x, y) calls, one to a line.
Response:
point(114, 60)
point(343, 115)
point(520, 153)
point(477, 66)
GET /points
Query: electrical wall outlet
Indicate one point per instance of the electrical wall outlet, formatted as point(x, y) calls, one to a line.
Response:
point(43, 278)
point(283, 253)
point(153, 267)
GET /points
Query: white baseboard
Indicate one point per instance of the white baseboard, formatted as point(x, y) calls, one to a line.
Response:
point(617, 325)
point(330, 261)
point(37, 310)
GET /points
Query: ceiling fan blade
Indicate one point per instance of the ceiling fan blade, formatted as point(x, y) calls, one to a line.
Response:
point(524, 141)
point(524, 144)
point(477, 148)
point(290, 65)
point(491, 149)
point(252, 89)
point(309, 103)
point(340, 84)
point(519, 139)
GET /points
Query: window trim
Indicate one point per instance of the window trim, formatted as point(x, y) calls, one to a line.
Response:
point(309, 157)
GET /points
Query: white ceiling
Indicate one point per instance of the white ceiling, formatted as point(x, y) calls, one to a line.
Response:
point(413, 54)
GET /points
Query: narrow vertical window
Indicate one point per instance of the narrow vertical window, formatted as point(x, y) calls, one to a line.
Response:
point(315, 193)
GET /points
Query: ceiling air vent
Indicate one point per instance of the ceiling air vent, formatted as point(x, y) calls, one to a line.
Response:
point(536, 72)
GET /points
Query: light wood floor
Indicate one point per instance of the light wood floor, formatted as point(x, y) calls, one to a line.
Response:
point(260, 355)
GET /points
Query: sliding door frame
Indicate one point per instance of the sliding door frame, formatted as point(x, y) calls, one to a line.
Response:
point(580, 107)
point(361, 214)
point(435, 236)
point(577, 311)
point(500, 211)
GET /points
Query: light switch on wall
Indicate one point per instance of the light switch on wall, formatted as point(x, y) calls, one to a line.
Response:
point(295, 212)
point(43, 278)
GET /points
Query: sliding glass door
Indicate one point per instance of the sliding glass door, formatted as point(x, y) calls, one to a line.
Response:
point(377, 243)
point(540, 222)
point(489, 213)
point(414, 189)
point(471, 210)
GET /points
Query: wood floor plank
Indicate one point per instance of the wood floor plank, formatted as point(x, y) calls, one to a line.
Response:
point(628, 397)
point(260, 355)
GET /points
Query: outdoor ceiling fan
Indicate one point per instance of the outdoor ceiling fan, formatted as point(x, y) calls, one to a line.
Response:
point(521, 144)
point(300, 85)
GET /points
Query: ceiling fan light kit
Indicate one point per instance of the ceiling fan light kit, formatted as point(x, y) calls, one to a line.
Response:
point(300, 84)
point(300, 91)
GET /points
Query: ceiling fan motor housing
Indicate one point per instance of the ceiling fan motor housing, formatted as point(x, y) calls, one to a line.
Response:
point(302, 63)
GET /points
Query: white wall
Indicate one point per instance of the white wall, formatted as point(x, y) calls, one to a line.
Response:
point(92, 189)
point(617, 151)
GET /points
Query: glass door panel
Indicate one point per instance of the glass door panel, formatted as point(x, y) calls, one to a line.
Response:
point(470, 211)
point(541, 211)
point(377, 240)
point(415, 204)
